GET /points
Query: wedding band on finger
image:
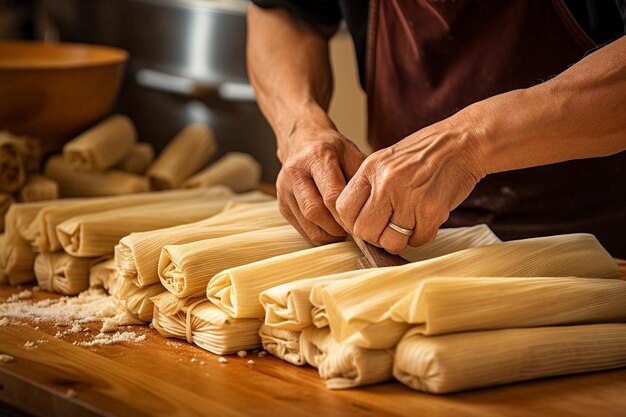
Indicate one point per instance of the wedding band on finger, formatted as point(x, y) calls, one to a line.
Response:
point(401, 230)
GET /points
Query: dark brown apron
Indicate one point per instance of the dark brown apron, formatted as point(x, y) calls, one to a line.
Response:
point(428, 59)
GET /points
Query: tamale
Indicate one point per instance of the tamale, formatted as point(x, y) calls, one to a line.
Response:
point(284, 344)
point(62, 273)
point(185, 155)
point(137, 254)
point(138, 159)
point(236, 170)
point(28, 149)
point(12, 165)
point(102, 146)
point(135, 300)
point(342, 365)
point(5, 202)
point(39, 188)
point(367, 297)
point(201, 323)
point(456, 362)
point(74, 183)
point(185, 270)
point(102, 274)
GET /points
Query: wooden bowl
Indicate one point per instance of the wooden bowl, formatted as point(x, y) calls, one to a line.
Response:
point(54, 91)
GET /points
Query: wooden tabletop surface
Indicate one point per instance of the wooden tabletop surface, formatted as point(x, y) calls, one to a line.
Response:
point(157, 377)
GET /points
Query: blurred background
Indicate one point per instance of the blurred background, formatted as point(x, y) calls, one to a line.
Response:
point(187, 64)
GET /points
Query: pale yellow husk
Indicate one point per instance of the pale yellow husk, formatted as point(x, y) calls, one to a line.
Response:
point(185, 155)
point(284, 344)
point(138, 159)
point(450, 305)
point(102, 274)
point(236, 290)
point(203, 324)
point(42, 230)
point(457, 362)
point(39, 188)
point(288, 306)
point(136, 301)
point(342, 365)
point(28, 149)
point(102, 146)
point(236, 170)
point(62, 273)
point(137, 255)
point(74, 183)
point(5, 202)
point(185, 270)
point(13, 173)
point(359, 305)
point(96, 234)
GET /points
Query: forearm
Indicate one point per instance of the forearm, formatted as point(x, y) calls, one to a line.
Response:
point(579, 114)
point(289, 68)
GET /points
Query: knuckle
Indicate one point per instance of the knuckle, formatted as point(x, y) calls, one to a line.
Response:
point(313, 212)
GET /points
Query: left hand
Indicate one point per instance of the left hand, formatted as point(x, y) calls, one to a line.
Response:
point(414, 184)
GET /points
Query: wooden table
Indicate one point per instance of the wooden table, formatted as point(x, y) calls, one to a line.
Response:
point(158, 378)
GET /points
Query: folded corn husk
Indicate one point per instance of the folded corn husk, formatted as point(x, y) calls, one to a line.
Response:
point(39, 188)
point(138, 159)
point(359, 305)
point(136, 301)
point(288, 306)
point(96, 234)
point(342, 365)
point(137, 255)
point(203, 324)
point(62, 273)
point(42, 230)
point(102, 274)
point(17, 255)
point(236, 170)
point(185, 155)
point(102, 146)
point(5, 202)
point(457, 362)
point(284, 344)
point(185, 270)
point(13, 173)
point(236, 290)
point(449, 305)
point(74, 183)
point(29, 149)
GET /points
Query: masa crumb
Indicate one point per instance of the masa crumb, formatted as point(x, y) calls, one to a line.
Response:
point(242, 353)
point(262, 353)
point(23, 295)
point(70, 393)
point(250, 362)
point(29, 344)
point(4, 358)
point(222, 359)
point(194, 360)
point(4, 321)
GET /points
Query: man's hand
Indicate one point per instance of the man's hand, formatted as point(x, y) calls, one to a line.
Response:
point(414, 184)
point(316, 164)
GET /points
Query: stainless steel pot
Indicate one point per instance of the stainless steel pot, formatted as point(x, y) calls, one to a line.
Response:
point(187, 64)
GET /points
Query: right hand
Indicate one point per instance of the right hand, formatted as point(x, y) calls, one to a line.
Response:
point(316, 164)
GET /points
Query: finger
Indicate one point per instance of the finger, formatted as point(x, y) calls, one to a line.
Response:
point(351, 160)
point(373, 219)
point(426, 228)
point(310, 231)
point(352, 199)
point(330, 182)
point(392, 240)
point(312, 207)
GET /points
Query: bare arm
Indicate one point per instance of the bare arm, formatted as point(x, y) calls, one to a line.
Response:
point(289, 67)
point(415, 183)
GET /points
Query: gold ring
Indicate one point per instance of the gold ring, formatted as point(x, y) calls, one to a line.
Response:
point(402, 230)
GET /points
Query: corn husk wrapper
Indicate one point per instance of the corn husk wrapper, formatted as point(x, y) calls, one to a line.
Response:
point(236, 170)
point(102, 274)
point(96, 234)
point(288, 306)
point(342, 365)
point(185, 155)
point(138, 159)
point(17, 255)
point(42, 230)
point(39, 188)
point(359, 305)
point(4, 279)
point(203, 324)
point(5, 202)
point(29, 149)
point(62, 273)
point(137, 255)
point(449, 305)
point(284, 344)
point(457, 362)
point(13, 173)
point(74, 183)
point(102, 146)
point(185, 270)
point(236, 290)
